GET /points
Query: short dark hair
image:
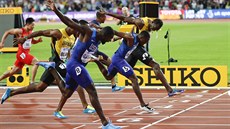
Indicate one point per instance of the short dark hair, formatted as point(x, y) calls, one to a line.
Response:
point(107, 31)
point(158, 22)
point(145, 34)
point(29, 20)
point(83, 22)
point(75, 20)
point(99, 15)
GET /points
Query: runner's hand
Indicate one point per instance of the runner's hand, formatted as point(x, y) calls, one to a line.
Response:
point(50, 4)
point(1, 45)
point(18, 41)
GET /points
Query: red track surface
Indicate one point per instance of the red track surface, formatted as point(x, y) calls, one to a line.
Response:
point(194, 109)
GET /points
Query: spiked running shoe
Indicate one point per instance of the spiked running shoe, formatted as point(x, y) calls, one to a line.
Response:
point(6, 95)
point(46, 65)
point(60, 115)
point(118, 88)
point(175, 92)
point(89, 110)
point(110, 126)
point(147, 108)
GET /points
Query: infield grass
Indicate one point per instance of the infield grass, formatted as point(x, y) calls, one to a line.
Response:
point(191, 43)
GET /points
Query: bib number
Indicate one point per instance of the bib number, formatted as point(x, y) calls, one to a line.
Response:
point(78, 70)
point(62, 66)
point(86, 56)
point(64, 53)
point(125, 68)
point(145, 55)
point(23, 55)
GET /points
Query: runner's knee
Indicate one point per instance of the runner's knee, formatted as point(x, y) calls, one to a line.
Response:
point(156, 68)
point(41, 87)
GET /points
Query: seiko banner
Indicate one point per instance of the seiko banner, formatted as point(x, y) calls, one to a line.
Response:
point(189, 76)
point(11, 10)
point(207, 14)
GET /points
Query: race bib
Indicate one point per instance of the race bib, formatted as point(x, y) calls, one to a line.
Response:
point(86, 56)
point(64, 53)
point(62, 66)
point(130, 51)
point(27, 44)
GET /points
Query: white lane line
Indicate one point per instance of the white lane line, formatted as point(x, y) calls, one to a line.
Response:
point(109, 109)
point(79, 126)
point(43, 123)
point(138, 107)
point(198, 124)
point(58, 123)
point(173, 115)
point(75, 99)
point(98, 92)
point(41, 103)
point(124, 116)
point(205, 91)
point(96, 120)
point(120, 112)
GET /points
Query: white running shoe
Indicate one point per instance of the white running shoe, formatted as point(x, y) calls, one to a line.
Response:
point(147, 108)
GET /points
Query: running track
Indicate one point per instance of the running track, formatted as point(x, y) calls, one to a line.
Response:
point(194, 109)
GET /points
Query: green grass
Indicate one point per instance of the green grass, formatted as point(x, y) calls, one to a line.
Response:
point(191, 43)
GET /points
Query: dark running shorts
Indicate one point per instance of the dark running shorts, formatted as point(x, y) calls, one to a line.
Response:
point(48, 78)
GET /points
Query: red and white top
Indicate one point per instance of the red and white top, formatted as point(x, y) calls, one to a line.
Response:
point(25, 47)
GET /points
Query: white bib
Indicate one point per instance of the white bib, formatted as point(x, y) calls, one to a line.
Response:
point(86, 56)
point(64, 53)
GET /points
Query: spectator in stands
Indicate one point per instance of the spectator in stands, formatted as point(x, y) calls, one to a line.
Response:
point(114, 5)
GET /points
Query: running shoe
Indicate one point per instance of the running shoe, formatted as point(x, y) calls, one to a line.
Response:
point(147, 108)
point(175, 92)
point(110, 126)
point(6, 95)
point(60, 115)
point(89, 110)
point(118, 88)
point(46, 65)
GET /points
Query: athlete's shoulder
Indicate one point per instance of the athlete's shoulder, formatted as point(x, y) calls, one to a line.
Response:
point(63, 33)
point(95, 22)
point(62, 30)
point(145, 19)
point(141, 48)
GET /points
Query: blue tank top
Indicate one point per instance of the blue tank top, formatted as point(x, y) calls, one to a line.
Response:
point(96, 22)
point(82, 51)
point(124, 50)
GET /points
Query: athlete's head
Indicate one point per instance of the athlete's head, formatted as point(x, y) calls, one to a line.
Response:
point(75, 20)
point(30, 23)
point(70, 31)
point(100, 17)
point(83, 22)
point(143, 37)
point(107, 34)
point(156, 24)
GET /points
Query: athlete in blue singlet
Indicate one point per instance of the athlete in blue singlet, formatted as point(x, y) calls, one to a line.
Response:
point(100, 18)
point(76, 65)
point(119, 64)
point(77, 74)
